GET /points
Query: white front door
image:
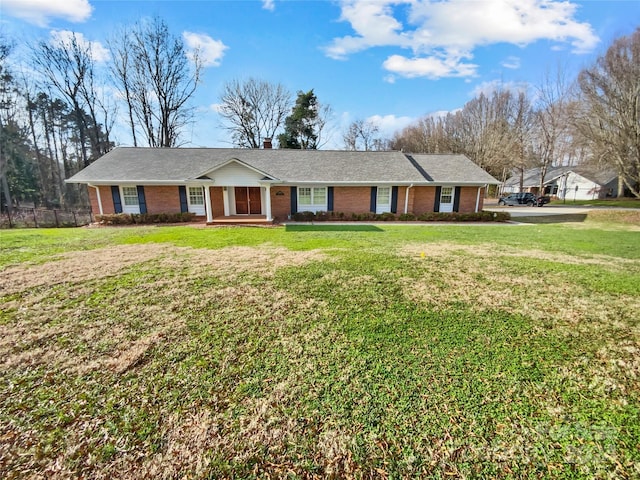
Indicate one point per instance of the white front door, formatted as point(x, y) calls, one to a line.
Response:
point(446, 200)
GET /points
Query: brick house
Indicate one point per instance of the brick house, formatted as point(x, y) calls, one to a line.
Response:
point(272, 184)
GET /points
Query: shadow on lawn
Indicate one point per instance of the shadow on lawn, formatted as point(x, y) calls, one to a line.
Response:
point(564, 218)
point(332, 228)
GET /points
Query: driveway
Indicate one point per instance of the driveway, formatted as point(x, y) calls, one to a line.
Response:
point(548, 210)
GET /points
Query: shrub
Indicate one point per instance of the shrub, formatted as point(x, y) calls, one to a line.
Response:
point(303, 216)
point(404, 217)
point(145, 218)
point(386, 217)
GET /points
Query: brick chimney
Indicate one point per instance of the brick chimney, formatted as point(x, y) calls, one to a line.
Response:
point(267, 143)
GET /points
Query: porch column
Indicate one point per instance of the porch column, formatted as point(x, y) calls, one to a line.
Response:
point(225, 201)
point(268, 202)
point(478, 199)
point(207, 201)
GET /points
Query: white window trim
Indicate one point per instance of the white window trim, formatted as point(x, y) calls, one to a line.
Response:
point(383, 207)
point(129, 208)
point(313, 207)
point(195, 208)
point(449, 205)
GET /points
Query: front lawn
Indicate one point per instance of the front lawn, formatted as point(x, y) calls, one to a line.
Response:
point(623, 202)
point(363, 351)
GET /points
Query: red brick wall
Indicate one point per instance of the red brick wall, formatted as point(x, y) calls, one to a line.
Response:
point(468, 197)
point(423, 199)
point(166, 199)
point(280, 204)
point(351, 199)
point(162, 199)
point(105, 196)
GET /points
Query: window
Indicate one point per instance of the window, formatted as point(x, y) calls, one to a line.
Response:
point(130, 196)
point(319, 196)
point(383, 200)
point(312, 199)
point(446, 195)
point(196, 196)
point(304, 196)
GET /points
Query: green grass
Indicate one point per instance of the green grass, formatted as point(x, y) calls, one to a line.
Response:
point(321, 351)
point(612, 202)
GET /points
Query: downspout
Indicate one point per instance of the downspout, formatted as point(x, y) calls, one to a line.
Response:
point(98, 195)
point(478, 199)
point(406, 199)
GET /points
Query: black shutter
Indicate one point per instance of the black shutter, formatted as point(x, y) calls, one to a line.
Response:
point(436, 203)
point(374, 197)
point(184, 205)
point(294, 200)
point(456, 199)
point(117, 203)
point(394, 199)
point(329, 199)
point(141, 201)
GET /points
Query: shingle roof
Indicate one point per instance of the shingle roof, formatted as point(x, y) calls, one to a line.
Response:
point(532, 176)
point(179, 165)
point(450, 168)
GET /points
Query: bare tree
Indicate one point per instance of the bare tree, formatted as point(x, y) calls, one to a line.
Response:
point(69, 67)
point(7, 111)
point(121, 68)
point(157, 79)
point(610, 115)
point(254, 110)
point(362, 135)
point(551, 139)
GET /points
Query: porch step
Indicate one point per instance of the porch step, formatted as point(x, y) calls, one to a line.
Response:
point(241, 220)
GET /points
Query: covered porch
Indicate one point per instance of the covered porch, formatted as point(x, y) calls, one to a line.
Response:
point(236, 193)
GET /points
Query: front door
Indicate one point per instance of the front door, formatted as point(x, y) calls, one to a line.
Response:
point(248, 200)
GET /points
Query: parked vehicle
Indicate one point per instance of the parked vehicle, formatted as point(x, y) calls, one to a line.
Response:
point(524, 198)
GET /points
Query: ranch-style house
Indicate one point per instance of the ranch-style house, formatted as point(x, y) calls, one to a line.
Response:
point(227, 184)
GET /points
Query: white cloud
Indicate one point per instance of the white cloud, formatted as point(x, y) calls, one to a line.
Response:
point(430, 67)
point(268, 5)
point(511, 62)
point(210, 51)
point(215, 107)
point(441, 33)
point(64, 37)
point(389, 124)
point(40, 12)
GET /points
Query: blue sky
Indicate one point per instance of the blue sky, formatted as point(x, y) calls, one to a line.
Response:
point(388, 61)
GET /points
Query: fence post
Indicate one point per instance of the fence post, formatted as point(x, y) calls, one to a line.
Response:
point(35, 218)
point(9, 215)
point(55, 215)
point(75, 220)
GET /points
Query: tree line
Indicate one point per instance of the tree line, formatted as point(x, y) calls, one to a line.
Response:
point(58, 119)
point(594, 120)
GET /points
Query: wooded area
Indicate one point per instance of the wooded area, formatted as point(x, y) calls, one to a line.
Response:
point(594, 120)
point(57, 114)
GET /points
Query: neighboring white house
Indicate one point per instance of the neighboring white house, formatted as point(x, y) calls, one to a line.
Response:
point(572, 183)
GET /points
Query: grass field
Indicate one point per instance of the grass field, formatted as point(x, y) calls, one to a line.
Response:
point(606, 202)
point(356, 351)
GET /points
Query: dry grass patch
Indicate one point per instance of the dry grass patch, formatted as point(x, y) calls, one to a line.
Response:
point(481, 281)
point(54, 315)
